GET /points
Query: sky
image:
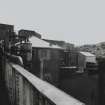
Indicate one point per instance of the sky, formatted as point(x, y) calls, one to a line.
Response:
point(75, 21)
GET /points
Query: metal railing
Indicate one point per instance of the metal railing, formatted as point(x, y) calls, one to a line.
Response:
point(24, 88)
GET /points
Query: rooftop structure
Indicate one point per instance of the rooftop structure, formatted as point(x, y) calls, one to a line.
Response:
point(87, 54)
point(63, 44)
point(36, 42)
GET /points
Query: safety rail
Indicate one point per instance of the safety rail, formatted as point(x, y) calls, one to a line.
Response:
point(24, 88)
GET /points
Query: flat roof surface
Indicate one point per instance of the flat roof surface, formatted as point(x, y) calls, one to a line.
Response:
point(87, 54)
point(39, 43)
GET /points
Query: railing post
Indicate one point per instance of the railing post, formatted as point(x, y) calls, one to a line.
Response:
point(14, 86)
point(35, 96)
point(27, 93)
point(21, 95)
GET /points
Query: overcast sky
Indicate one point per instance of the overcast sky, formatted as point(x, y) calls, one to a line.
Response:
point(75, 21)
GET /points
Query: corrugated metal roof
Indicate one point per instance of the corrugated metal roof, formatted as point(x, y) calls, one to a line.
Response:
point(87, 54)
point(39, 43)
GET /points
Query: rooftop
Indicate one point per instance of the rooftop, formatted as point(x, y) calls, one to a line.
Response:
point(39, 43)
point(87, 54)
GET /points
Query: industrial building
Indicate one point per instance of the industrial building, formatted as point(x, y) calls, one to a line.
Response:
point(36, 72)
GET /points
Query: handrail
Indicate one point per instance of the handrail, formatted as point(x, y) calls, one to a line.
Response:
point(54, 94)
